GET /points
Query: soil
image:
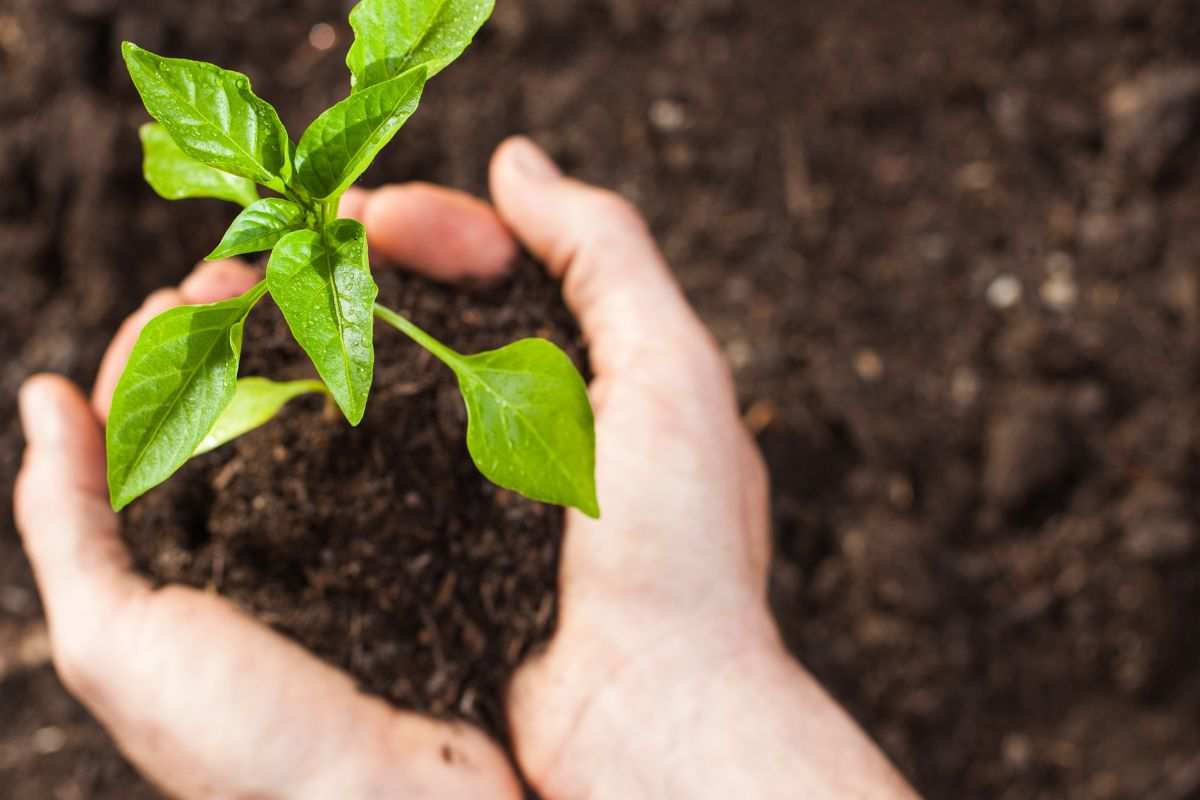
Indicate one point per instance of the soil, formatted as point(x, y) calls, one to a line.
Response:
point(381, 548)
point(949, 246)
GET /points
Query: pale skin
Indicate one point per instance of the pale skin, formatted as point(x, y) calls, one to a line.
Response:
point(665, 678)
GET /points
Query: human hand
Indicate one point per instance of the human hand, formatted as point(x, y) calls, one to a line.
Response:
point(205, 701)
point(665, 678)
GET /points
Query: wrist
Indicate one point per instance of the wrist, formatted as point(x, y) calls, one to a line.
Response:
point(743, 720)
point(773, 728)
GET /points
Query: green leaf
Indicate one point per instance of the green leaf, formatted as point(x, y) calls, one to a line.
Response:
point(212, 115)
point(180, 377)
point(260, 227)
point(342, 142)
point(325, 290)
point(176, 176)
point(393, 36)
point(530, 426)
point(255, 403)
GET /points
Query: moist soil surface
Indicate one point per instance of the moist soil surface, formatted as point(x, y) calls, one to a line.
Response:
point(950, 248)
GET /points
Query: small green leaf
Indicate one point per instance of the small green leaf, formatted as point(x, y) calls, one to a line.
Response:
point(259, 227)
point(325, 290)
point(255, 403)
point(393, 36)
point(530, 426)
point(213, 115)
point(180, 377)
point(342, 142)
point(176, 176)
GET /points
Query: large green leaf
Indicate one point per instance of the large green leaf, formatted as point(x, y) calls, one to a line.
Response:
point(530, 426)
point(324, 287)
point(212, 115)
point(181, 376)
point(175, 175)
point(255, 403)
point(393, 36)
point(259, 228)
point(342, 142)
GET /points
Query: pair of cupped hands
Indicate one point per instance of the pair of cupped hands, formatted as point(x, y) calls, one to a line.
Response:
point(666, 677)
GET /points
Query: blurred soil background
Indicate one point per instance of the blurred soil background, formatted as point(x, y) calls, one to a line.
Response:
point(951, 248)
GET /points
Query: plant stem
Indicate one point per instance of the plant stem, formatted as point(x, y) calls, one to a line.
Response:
point(443, 353)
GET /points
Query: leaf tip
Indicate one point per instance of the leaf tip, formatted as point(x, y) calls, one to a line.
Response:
point(117, 499)
point(591, 507)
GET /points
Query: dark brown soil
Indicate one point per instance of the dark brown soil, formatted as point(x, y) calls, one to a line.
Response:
point(984, 503)
point(381, 548)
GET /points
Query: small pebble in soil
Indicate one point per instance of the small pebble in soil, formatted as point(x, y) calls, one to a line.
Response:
point(11, 35)
point(1004, 292)
point(739, 353)
point(978, 176)
point(667, 116)
point(1152, 116)
point(900, 492)
point(1027, 451)
point(49, 739)
point(868, 365)
point(322, 36)
point(964, 386)
point(760, 415)
point(1018, 750)
point(1059, 291)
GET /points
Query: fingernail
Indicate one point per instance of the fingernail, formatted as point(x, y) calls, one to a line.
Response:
point(533, 161)
point(40, 418)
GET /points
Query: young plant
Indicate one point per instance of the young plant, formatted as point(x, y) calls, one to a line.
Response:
point(530, 426)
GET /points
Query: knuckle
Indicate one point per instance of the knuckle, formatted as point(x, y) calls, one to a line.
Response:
point(615, 209)
point(159, 300)
point(708, 363)
point(155, 303)
point(74, 653)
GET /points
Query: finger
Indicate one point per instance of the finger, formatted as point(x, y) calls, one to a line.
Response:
point(113, 363)
point(209, 283)
point(615, 280)
point(214, 281)
point(441, 233)
point(68, 530)
point(352, 203)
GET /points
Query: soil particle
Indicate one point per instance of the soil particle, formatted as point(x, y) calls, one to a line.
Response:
point(1151, 116)
point(1028, 452)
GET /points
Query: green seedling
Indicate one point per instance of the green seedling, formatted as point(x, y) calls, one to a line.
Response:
point(530, 425)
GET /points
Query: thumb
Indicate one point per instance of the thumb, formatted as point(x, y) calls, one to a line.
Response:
point(70, 534)
point(614, 278)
